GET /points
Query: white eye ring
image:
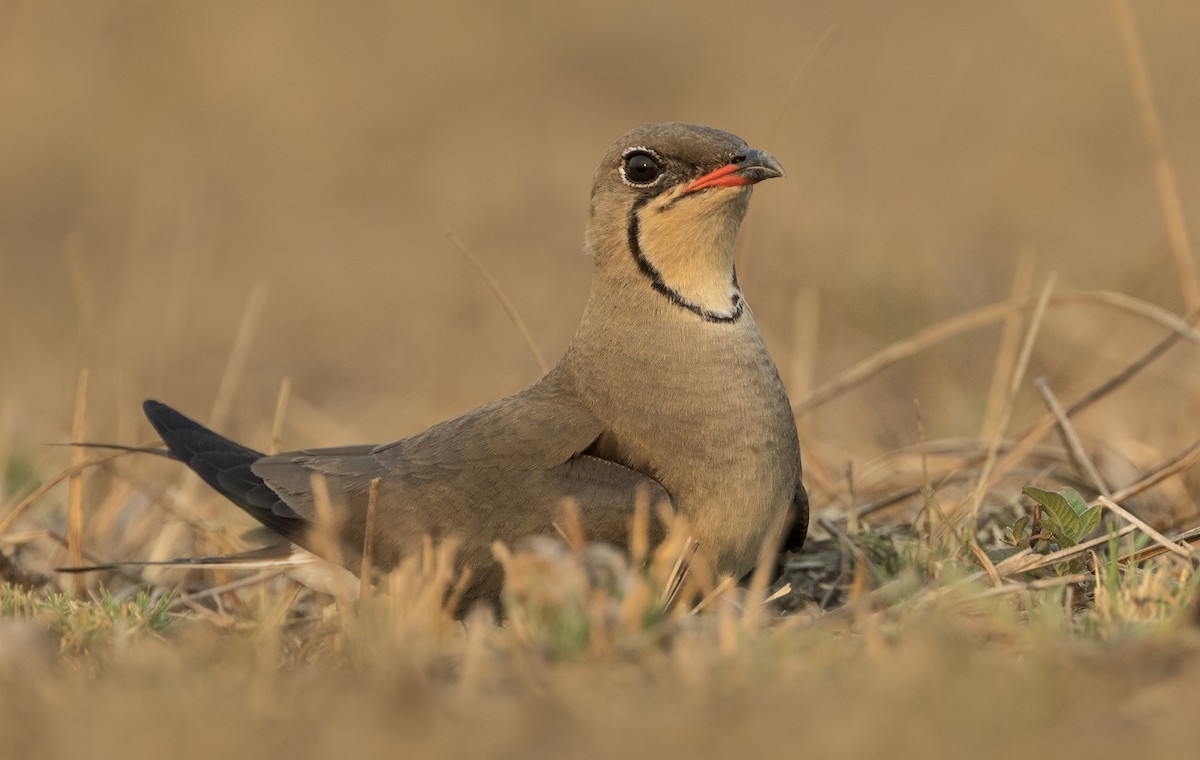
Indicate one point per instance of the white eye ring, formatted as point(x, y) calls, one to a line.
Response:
point(643, 151)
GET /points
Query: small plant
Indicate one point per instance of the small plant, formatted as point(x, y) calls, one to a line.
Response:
point(1060, 520)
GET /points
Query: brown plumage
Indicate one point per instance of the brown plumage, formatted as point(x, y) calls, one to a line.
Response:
point(667, 387)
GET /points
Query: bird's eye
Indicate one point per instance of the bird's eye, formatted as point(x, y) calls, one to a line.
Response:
point(641, 168)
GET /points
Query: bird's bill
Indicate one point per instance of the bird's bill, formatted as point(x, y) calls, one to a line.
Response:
point(747, 168)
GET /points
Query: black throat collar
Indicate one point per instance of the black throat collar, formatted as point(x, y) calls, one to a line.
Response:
point(736, 305)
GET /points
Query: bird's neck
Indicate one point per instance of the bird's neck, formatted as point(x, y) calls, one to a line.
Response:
point(690, 265)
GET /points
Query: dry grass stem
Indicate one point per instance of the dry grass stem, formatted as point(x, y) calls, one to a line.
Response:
point(239, 354)
point(23, 505)
point(986, 563)
point(1030, 437)
point(368, 552)
point(502, 297)
point(970, 511)
point(277, 419)
point(1164, 172)
point(639, 528)
point(684, 560)
point(186, 598)
point(1176, 465)
point(815, 54)
point(1071, 437)
point(571, 526)
point(1035, 585)
point(1010, 343)
point(1128, 372)
point(328, 526)
point(974, 320)
point(1026, 560)
point(1190, 536)
point(75, 484)
point(1183, 551)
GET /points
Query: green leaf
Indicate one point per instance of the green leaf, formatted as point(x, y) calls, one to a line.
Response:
point(1068, 516)
point(1078, 505)
point(1091, 520)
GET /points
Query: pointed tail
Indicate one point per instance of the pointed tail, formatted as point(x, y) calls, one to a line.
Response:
point(225, 466)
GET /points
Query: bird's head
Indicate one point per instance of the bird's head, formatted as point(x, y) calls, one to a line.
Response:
point(667, 203)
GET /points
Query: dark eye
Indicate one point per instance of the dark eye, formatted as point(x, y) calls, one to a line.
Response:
point(641, 168)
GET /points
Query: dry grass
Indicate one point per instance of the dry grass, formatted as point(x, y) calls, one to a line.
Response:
point(241, 208)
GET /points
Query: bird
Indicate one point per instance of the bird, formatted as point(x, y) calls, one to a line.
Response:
point(666, 391)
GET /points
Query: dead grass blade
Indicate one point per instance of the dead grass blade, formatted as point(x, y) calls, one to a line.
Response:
point(974, 320)
point(43, 489)
point(1037, 584)
point(1164, 172)
point(186, 599)
point(986, 563)
point(281, 405)
point(368, 552)
point(764, 571)
point(828, 37)
point(570, 526)
point(1174, 466)
point(75, 484)
point(328, 525)
point(1027, 560)
point(502, 297)
point(235, 367)
point(1186, 537)
point(1071, 437)
point(1010, 343)
point(1032, 436)
point(1163, 541)
point(970, 510)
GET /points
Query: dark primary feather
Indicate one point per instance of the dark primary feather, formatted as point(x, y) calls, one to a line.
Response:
point(225, 466)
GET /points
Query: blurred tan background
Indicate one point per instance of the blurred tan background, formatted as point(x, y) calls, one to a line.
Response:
point(161, 161)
